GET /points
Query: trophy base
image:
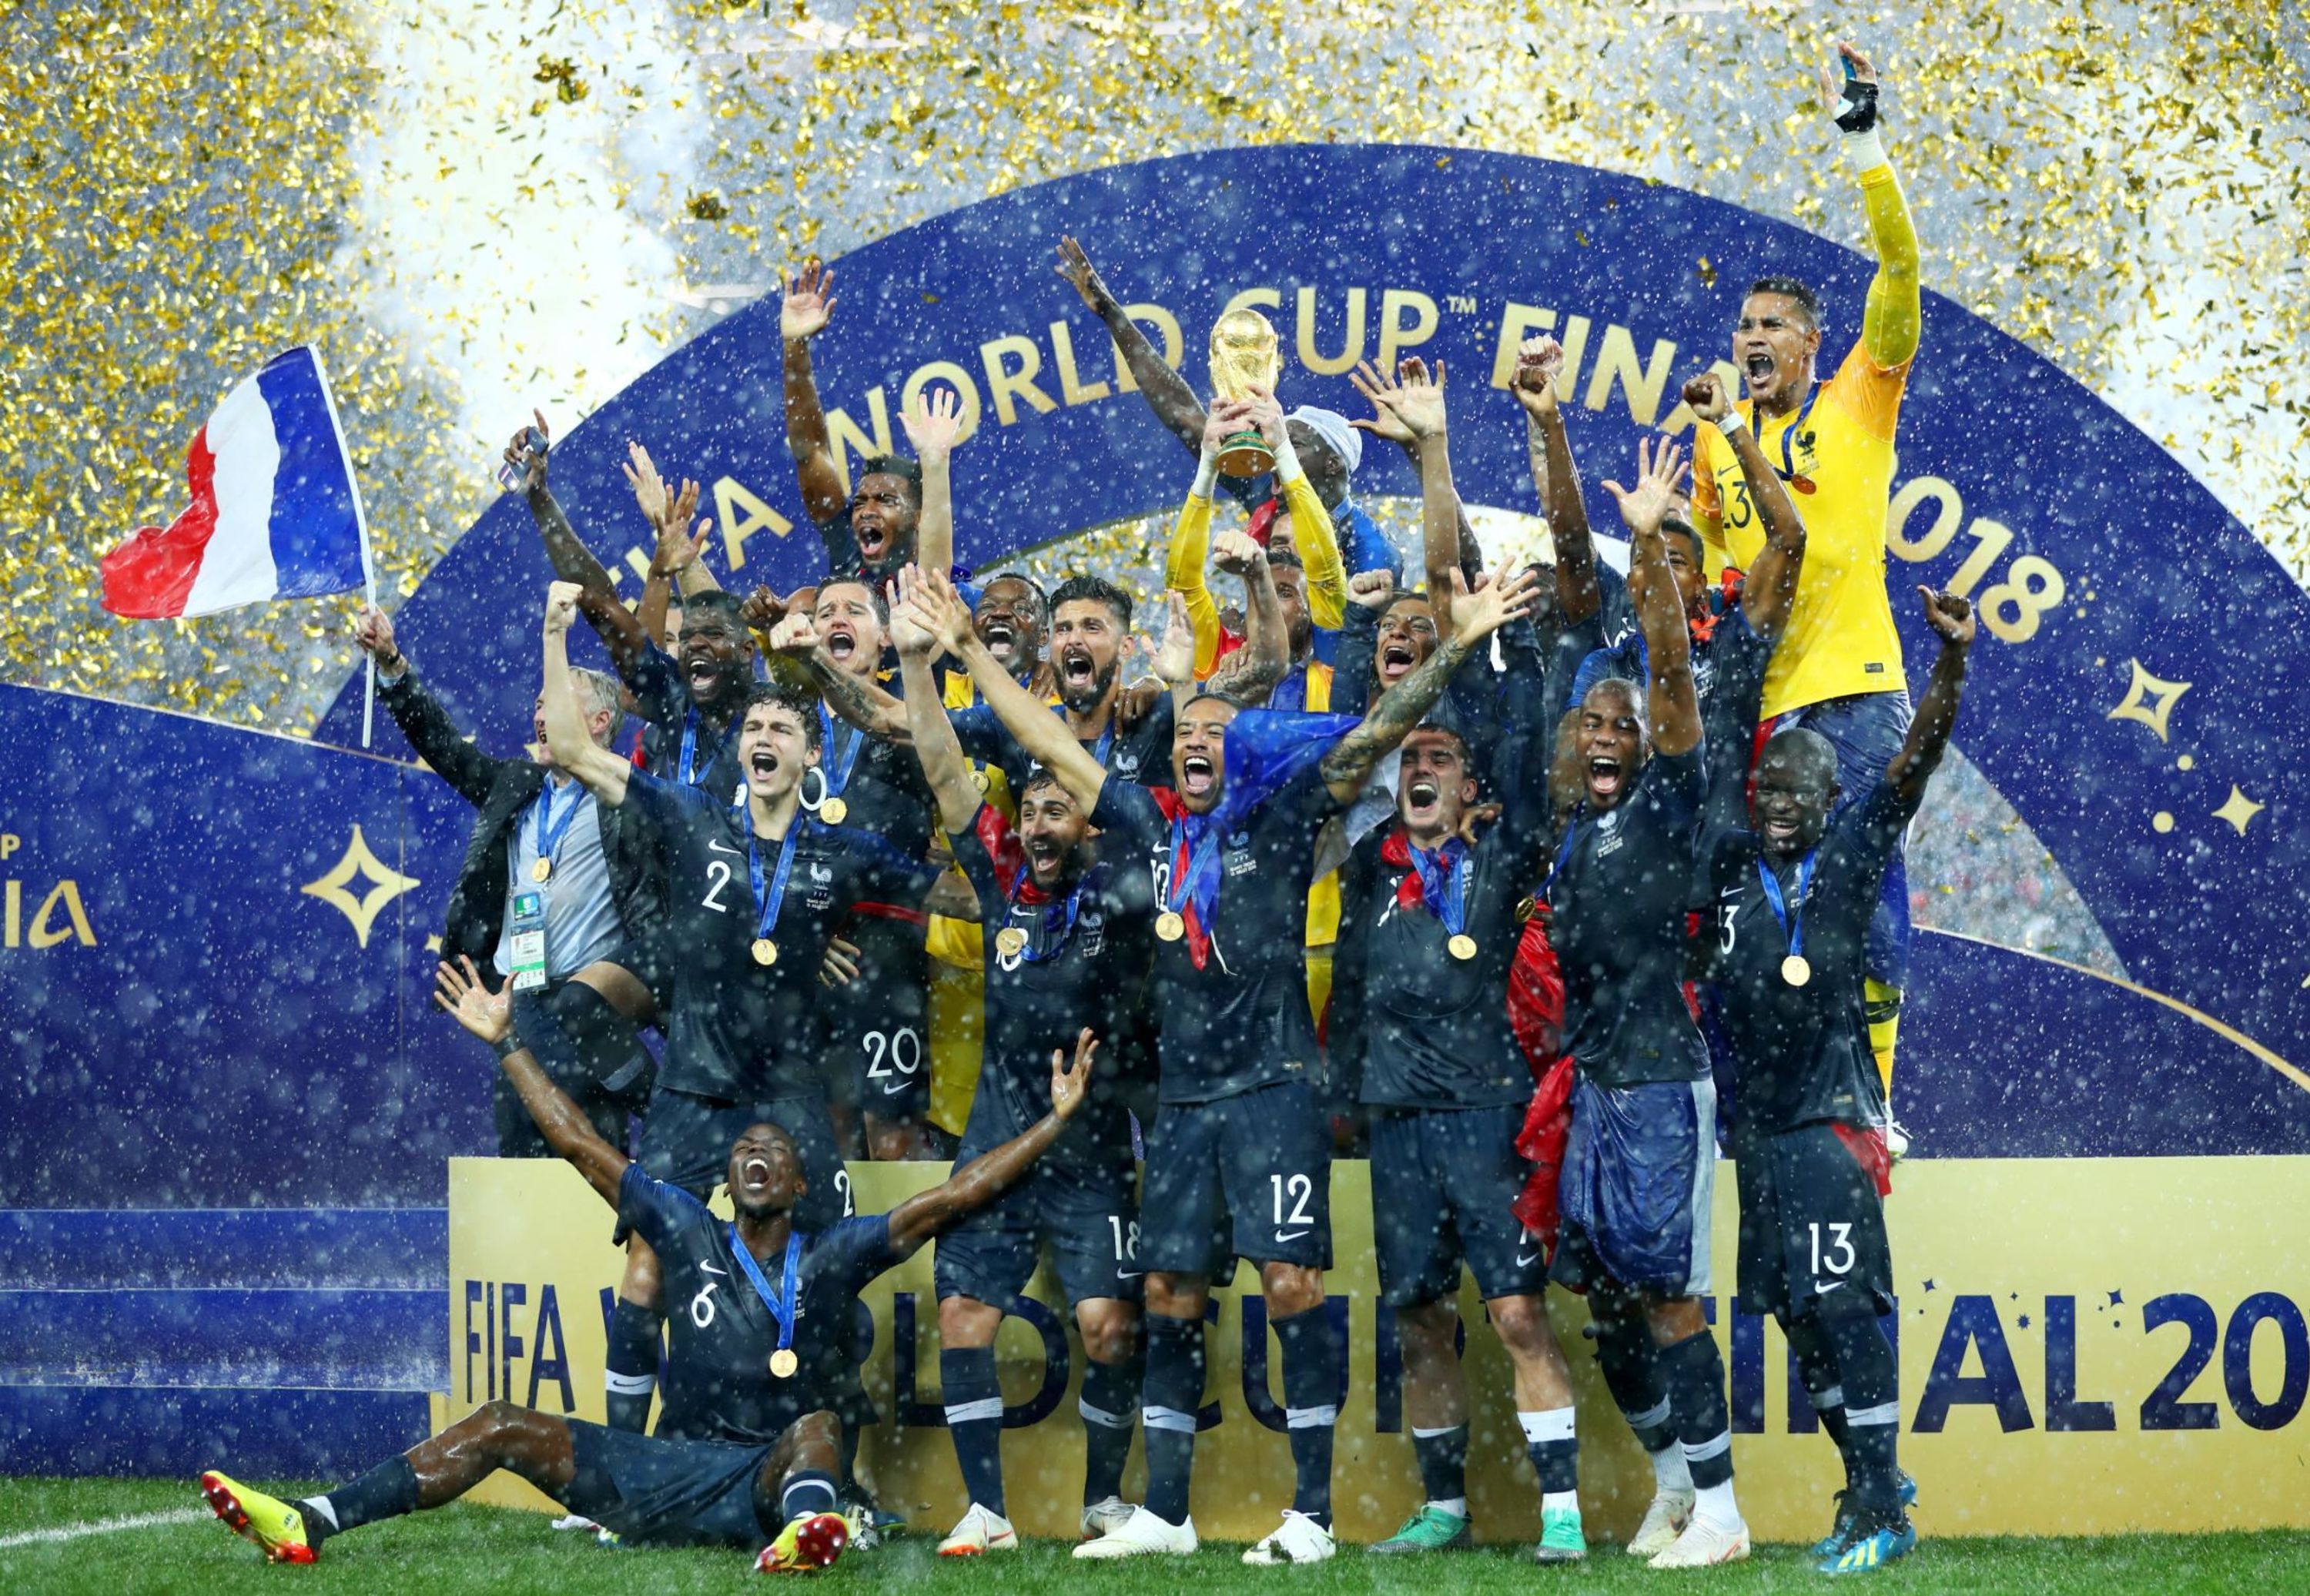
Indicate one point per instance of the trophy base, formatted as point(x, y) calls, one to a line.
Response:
point(1246, 454)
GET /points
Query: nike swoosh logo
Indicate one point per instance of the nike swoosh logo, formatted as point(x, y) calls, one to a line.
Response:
point(1820, 1288)
point(721, 848)
point(1524, 1262)
point(1129, 1274)
point(709, 1269)
point(892, 1092)
point(1292, 1235)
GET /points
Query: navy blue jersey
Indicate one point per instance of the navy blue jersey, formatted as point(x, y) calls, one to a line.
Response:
point(1240, 1021)
point(1140, 753)
point(1430, 1030)
point(883, 790)
point(1619, 904)
point(1802, 1051)
point(719, 1386)
point(741, 1029)
point(671, 726)
point(1086, 962)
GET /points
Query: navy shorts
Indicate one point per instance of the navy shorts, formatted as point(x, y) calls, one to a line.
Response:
point(667, 1493)
point(1443, 1185)
point(1639, 1176)
point(1811, 1222)
point(686, 1141)
point(1248, 1176)
point(1088, 1219)
point(877, 1056)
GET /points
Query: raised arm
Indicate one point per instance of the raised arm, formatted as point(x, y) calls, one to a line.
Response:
point(1675, 710)
point(1769, 589)
point(668, 510)
point(1313, 532)
point(935, 744)
point(1417, 404)
point(803, 315)
point(1894, 315)
point(1175, 657)
point(1474, 617)
point(1251, 672)
point(564, 1125)
point(1043, 735)
point(987, 1176)
point(1385, 423)
point(1167, 393)
point(1191, 536)
point(934, 425)
point(420, 715)
point(1577, 595)
point(1953, 620)
point(573, 562)
point(573, 749)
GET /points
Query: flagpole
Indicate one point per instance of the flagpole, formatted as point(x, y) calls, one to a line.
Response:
point(361, 523)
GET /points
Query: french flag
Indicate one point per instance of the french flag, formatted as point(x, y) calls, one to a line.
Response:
point(275, 514)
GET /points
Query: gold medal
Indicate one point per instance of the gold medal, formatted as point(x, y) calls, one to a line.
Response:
point(541, 870)
point(1010, 941)
point(833, 811)
point(783, 1362)
point(1170, 926)
point(978, 778)
point(766, 951)
point(1462, 947)
point(1794, 970)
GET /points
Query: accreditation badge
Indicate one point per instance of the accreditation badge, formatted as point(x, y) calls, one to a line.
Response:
point(528, 944)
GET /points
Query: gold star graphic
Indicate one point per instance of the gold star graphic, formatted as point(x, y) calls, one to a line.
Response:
point(2149, 700)
point(2239, 810)
point(358, 863)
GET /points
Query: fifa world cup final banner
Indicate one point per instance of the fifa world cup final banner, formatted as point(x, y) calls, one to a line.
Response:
point(2087, 1346)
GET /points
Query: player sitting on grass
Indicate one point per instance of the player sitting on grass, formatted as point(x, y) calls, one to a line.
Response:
point(783, 1304)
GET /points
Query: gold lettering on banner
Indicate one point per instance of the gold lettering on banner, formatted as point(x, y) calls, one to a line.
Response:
point(1252, 299)
point(2013, 608)
point(67, 893)
point(1518, 323)
point(1351, 347)
point(1071, 387)
point(1394, 336)
point(15, 921)
point(742, 513)
point(1617, 360)
point(964, 386)
point(1167, 341)
point(842, 435)
point(1006, 385)
point(8, 843)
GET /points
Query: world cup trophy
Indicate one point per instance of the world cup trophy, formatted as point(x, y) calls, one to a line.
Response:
point(1244, 356)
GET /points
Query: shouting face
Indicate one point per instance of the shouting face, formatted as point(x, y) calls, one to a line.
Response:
point(849, 626)
point(1009, 620)
point(1774, 344)
point(1612, 741)
point(774, 747)
point(1199, 753)
point(1407, 636)
point(1434, 788)
point(1054, 831)
point(1086, 643)
point(1796, 787)
point(883, 515)
point(764, 1172)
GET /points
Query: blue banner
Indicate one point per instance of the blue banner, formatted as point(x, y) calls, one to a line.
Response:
point(2136, 695)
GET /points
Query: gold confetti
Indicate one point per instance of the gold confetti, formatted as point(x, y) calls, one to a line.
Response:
point(194, 187)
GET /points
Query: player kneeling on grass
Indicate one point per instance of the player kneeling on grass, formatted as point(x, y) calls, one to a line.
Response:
point(1794, 898)
point(791, 1315)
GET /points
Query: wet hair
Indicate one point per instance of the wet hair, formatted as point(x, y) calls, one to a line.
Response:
point(1232, 700)
point(1286, 559)
point(802, 702)
point(1096, 590)
point(893, 465)
point(1043, 775)
point(1690, 534)
point(715, 601)
point(1441, 730)
point(1794, 289)
point(600, 690)
point(874, 596)
point(1025, 581)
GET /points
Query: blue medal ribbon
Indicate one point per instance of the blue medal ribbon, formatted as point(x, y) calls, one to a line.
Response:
point(1788, 470)
point(1199, 882)
point(1053, 946)
point(690, 747)
point(1563, 855)
point(1792, 926)
point(765, 910)
point(845, 761)
point(782, 1304)
point(551, 832)
point(1444, 882)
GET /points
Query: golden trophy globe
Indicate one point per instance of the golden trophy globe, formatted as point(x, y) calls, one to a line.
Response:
point(1244, 356)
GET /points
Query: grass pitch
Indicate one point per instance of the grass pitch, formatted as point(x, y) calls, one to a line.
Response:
point(176, 1545)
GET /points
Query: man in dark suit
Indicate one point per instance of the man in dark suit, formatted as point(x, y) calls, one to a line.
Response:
point(554, 895)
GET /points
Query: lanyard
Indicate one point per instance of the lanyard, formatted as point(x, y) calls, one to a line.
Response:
point(1792, 926)
point(845, 761)
point(782, 1304)
point(767, 912)
point(1028, 952)
point(1788, 470)
point(1444, 883)
point(550, 832)
point(689, 746)
point(1186, 884)
point(1105, 739)
point(1563, 857)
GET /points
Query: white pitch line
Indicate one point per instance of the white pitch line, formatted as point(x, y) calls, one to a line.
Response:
point(103, 1526)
